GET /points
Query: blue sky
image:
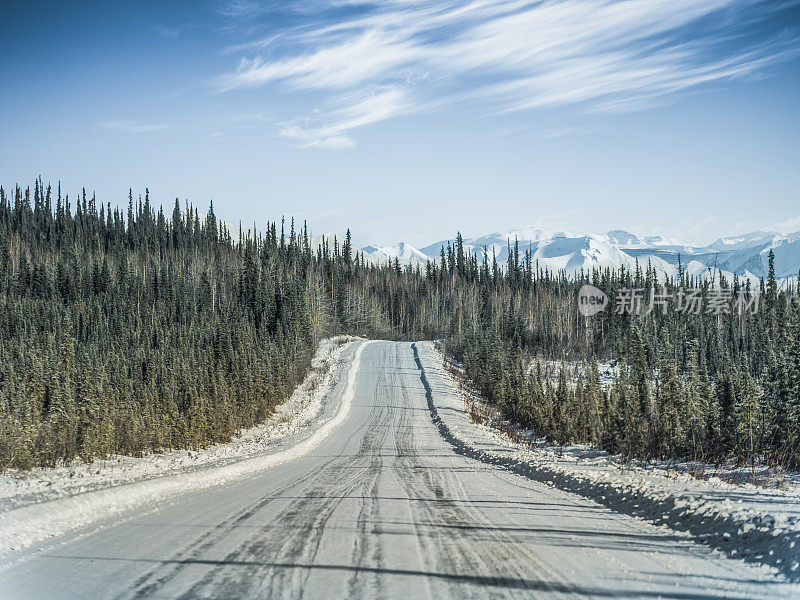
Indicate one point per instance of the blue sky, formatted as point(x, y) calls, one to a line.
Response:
point(412, 119)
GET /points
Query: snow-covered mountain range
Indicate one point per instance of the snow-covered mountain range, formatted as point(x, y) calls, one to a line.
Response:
point(745, 255)
point(402, 251)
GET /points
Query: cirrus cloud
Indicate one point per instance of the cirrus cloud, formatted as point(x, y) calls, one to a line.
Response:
point(511, 56)
point(132, 126)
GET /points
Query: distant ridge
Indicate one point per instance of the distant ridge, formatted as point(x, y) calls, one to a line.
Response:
point(745, 255)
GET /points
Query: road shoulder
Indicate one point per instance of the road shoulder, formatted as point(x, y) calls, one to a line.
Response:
point(734, 523)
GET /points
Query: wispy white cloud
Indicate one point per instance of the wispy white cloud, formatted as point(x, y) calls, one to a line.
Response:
point(168, 32)
point(241, 9)
point(787, 226)
point(131, 126)
point(329, 130)
point(512, 55)
point(368, 57)
point(560, 132)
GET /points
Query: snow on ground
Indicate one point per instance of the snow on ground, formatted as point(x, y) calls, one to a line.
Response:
point(44, 503)
point(552, 368)
point(745, 521)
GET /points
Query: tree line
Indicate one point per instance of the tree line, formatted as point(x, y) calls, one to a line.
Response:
point(705, 385)
point(123, 332)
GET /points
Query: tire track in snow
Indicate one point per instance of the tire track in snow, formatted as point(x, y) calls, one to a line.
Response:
point(306, 517)
point(627, 500)
point(502, 554)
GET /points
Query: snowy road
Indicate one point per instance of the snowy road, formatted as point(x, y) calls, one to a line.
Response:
point(382, 507)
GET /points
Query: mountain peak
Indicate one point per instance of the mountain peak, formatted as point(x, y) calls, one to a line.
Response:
point(743, 254)
point(622, 237)
point(403, 251)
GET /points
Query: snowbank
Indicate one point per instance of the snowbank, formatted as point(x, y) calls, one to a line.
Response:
point(744, 521)
point(128, 483)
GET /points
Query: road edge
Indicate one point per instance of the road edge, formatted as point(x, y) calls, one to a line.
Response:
point(23, 527)
point(728, 535)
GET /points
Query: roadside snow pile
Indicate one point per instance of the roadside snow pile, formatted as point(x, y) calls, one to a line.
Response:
point(744, 521)
point(50, 502)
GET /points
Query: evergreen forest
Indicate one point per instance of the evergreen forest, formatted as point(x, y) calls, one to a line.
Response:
point(126, 331)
